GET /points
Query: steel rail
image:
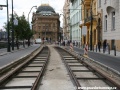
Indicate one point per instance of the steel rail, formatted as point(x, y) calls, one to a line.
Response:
point(72, 76)
point(109, 80)
point(41, 73)
point(19, 69)
point(11, 68)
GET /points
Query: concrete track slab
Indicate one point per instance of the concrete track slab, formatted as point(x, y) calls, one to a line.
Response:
point(28, 74)
point(22, 82)
point(56, 76)
point(91, 83)
point(78, 68)
point(74, 64)
point(32, 69)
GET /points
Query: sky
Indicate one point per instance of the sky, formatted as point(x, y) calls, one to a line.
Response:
point(24, 6)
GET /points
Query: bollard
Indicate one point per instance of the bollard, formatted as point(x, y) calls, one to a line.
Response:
point(96, 48)
point(108, 49)
point(115, 50)
point(71, 46)
point(93, 48)
point(86, 50)
point(103, 50)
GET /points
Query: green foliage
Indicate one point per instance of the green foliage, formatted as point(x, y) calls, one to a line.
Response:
point(22, 30)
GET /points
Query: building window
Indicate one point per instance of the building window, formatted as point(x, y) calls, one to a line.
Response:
point(113, 20)
point(105, 23)
point(99, 3)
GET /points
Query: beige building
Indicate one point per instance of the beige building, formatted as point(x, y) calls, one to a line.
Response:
point(46, 23)
point(66, 19)
point(110, 17)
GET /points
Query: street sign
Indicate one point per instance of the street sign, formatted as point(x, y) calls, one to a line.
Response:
point(15, 22)
point(84, 30)
point(81, 22)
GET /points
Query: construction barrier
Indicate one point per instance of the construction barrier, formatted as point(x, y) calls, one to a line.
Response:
point(86, 49)
point(71, 46)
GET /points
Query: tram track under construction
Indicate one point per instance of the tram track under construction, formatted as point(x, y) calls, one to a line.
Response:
point(29, 72)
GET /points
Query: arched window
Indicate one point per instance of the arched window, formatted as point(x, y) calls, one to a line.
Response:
point(105, 23)
point(113, 20)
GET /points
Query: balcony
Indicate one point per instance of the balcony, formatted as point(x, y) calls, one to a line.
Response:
point(71, 1)
point(87, 3)
point(88, 19)
point(112, 4)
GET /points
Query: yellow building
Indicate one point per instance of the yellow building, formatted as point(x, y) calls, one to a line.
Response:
point(94, 33)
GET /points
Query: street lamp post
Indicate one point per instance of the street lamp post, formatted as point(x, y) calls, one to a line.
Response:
point(8, 34)
point(29, 14)
point(12, 29)
point(91, 26)
point(8, 48)
point(30, 11)
point(8, 31)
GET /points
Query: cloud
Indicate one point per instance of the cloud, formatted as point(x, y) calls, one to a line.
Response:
point(21, 6)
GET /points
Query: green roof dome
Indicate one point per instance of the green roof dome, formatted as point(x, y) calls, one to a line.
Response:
point(45, 8)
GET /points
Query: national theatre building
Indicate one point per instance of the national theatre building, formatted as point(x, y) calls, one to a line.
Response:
point(46, 23)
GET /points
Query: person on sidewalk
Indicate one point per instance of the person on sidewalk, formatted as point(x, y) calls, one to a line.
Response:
point(43, 40)
point(104, 45)
point(99, 45)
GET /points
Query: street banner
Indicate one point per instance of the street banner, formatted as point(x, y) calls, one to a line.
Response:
point(84, 30)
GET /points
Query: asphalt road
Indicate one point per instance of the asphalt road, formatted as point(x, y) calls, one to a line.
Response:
point(110, 61)
point(10, 57)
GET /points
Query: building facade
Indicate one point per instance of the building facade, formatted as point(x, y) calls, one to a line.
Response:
point(46, 23)
point(90, 18)
point(66, 20)
point(110, 10)
point(75, 17)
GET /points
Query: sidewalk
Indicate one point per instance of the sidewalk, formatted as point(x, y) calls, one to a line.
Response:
point(3, 51)
point(112, 52)
point(10, 57)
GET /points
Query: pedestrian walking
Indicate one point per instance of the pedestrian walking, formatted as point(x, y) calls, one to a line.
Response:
point(99, 45)
point(63, 43)
point(104, 45)
point(43, 40)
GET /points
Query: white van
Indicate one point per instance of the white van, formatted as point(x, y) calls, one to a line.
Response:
point(38, 41)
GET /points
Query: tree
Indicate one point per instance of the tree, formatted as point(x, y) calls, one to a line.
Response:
point(26, 31)
point(22, 30)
